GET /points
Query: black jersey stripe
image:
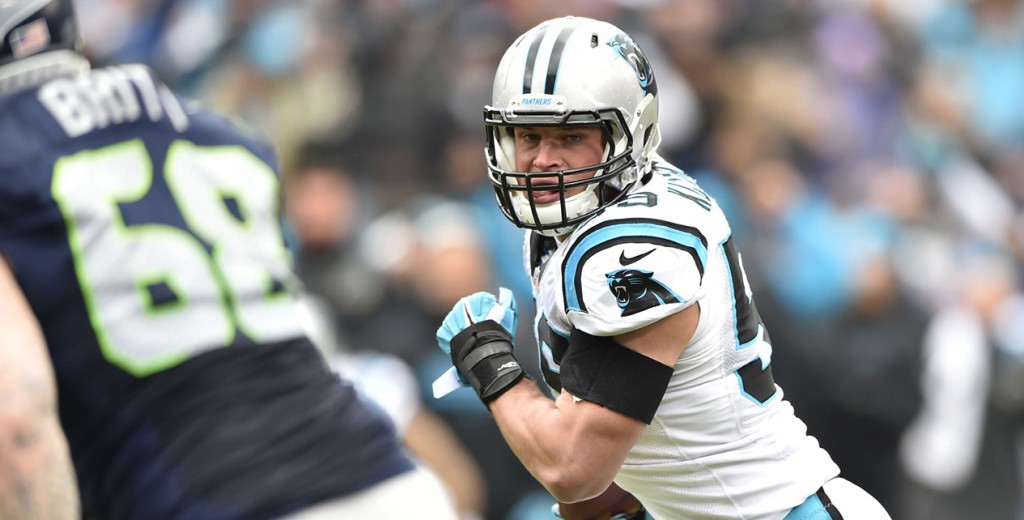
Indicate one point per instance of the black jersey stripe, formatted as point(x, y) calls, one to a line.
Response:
point(531, 60)
point(574, 259)
point(556, 59)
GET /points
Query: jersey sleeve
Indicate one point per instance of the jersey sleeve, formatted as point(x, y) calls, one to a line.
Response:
point(623, 275)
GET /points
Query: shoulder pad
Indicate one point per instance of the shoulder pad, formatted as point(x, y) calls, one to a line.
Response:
point(621, 275)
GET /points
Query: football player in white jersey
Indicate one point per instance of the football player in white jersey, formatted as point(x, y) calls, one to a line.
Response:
point(649, 340)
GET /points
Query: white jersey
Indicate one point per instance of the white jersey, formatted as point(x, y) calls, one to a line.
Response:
point(723, 443)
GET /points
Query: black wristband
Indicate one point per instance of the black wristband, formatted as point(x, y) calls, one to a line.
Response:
point(483, 354)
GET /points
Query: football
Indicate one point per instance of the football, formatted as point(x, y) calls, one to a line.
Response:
point(612, 501)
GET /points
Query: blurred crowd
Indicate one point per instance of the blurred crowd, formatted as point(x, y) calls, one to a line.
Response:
point(869, 155)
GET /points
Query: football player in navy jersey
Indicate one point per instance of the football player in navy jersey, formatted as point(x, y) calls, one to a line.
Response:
point(141, 237)
point(658, 364)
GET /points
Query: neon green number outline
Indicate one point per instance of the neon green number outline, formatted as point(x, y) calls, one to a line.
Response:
point(257, 172)
point(68, 173)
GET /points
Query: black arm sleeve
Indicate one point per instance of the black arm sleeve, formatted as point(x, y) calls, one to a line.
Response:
point(601, 371)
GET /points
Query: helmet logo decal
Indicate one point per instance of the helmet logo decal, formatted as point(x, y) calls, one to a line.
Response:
point(637, 291)
point(537, 102)
point(29, 38)
point(630, 51)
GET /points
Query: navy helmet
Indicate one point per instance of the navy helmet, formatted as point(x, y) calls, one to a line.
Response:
point(40, 41)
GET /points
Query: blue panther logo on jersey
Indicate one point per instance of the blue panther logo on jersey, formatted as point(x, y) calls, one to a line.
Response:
point(628, 49)
point(637, 291)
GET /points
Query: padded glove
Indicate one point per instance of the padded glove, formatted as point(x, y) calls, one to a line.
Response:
point(477, 334)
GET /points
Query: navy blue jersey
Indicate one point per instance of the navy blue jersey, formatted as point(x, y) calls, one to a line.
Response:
point(146, 237)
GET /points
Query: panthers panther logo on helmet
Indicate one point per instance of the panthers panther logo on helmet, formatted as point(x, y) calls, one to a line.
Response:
point(630, 52)
point(637, 291)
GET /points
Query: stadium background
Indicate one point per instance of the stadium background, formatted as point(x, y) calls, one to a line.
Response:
point(869, 153)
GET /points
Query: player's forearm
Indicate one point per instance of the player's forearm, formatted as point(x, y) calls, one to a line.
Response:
point(573, 447)
point(573, 457)
point(36, 479)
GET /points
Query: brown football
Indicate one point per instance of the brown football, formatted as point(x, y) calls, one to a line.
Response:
point(614, 500)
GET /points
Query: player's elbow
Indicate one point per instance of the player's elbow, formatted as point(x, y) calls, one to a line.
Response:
point(26, 426)
point(20, 424)
point(30, 405)
point(571, 485)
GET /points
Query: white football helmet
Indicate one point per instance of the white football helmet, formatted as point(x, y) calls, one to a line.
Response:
point(571, 71)
point(40, 41)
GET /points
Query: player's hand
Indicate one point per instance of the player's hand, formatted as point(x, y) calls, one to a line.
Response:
point(477, 334)
point(476, 308)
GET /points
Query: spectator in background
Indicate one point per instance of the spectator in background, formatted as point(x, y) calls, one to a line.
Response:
point(962, 451)
point(979, 48)
point(284, 67)
point(856, 377)
point(327, 206)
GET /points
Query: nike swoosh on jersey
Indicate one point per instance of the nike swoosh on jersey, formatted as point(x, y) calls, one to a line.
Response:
point(626, 260)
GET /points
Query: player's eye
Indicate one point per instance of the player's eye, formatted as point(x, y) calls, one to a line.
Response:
point(527, 136)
